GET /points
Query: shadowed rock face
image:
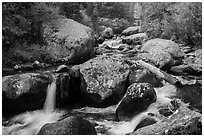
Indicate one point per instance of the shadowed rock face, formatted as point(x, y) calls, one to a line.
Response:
point(69, 126)
point(104, 80)
point(141, 75)
point(24, 92)
point(137, 99)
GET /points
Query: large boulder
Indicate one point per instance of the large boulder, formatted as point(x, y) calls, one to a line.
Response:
point(131, 30)
point(162, 45)
point(138, 38)
point(162, 52)
point(137, 99)
point(68, 41)
point(22, 92)
point(104, 80)
point(68, 126)
point(183, 122)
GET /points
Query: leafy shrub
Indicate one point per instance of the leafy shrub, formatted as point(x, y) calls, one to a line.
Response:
point(181, 22)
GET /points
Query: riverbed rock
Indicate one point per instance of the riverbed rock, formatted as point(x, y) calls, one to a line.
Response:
point(137, 99)
point(162, 45)
point(104, 79)
point(192, 64)
point(149, 120)
point(69, 126)
point(68, 41)
point(131, 30)
point(107, 33)
point(138, 38)
point(162, 52)
point(62, 68)
point(188, 69)
point(191, 94)
point(160, 60)
point(141, 75)
point(22, 92)
point(111, 44)
point(183, 122)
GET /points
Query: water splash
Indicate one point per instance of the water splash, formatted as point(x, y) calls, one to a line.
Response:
point(29, 123)
point(163, 95)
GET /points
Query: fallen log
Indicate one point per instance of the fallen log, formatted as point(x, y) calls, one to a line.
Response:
point(159, 73)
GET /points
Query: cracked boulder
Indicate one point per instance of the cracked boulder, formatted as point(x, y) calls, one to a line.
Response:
point(104, 80)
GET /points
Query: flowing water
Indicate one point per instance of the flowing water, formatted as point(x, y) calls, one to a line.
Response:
point(109, 126)
point(29, 123)
point(163, 95)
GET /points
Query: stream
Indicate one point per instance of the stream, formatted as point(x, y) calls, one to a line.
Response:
point(103, 119)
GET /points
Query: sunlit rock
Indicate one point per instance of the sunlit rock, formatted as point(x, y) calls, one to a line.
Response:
point(104, 79)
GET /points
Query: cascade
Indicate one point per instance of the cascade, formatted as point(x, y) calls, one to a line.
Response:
point(29, 123)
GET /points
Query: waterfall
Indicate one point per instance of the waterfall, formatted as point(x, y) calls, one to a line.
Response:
point(50, 101)
point(29, 123)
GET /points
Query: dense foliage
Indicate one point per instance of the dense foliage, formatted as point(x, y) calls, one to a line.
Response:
point(22, 21)
point(181, 22)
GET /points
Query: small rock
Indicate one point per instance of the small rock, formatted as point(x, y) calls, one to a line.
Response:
point(62, 68)
point(107, 33)
point(131, 30)
point(135, 39)
point(145, 122)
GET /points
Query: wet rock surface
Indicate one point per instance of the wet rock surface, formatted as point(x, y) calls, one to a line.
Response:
point(136, 100)
point(69, 126)
point(22, 92)
point(183, 122)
